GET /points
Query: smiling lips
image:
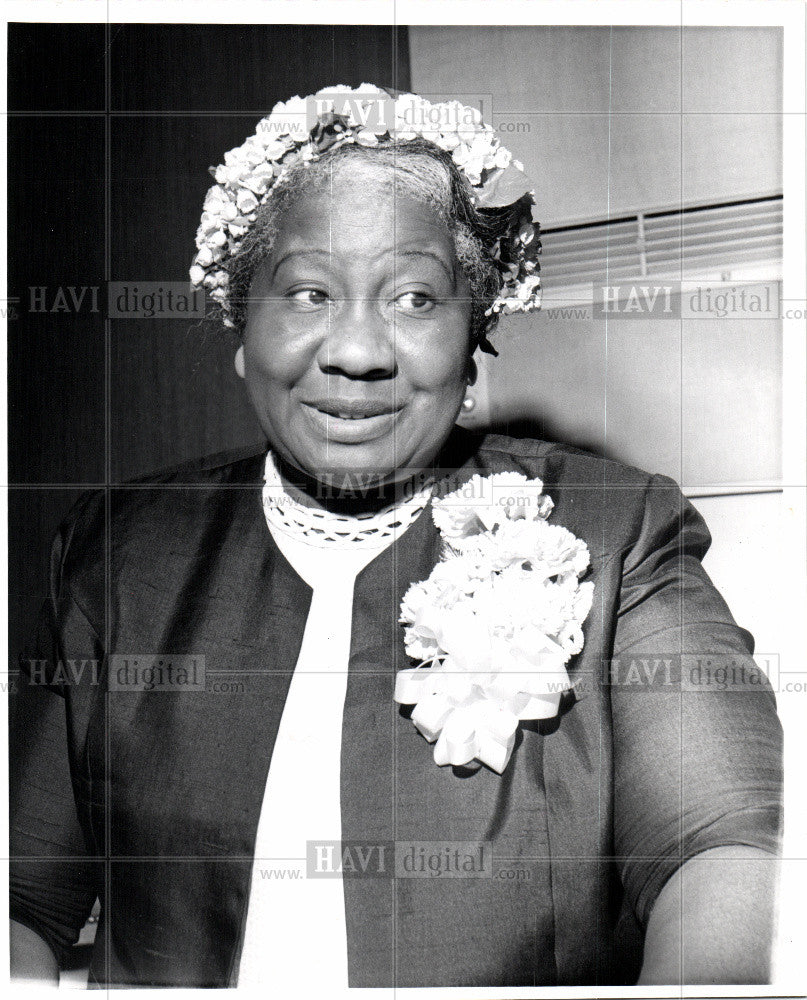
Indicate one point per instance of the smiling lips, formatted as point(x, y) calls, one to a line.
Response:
point(350, 421)
point(352, 409)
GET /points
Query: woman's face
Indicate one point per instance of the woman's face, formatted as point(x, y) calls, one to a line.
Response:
point(356, 346)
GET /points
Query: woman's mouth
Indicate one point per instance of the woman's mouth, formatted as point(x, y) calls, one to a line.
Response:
point(350, 421)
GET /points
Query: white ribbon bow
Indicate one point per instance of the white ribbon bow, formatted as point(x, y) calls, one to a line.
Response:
point(472, 719)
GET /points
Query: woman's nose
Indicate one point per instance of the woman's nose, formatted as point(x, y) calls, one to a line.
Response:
point(359, 342)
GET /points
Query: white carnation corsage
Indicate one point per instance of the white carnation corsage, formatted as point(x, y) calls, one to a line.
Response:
point(495, 623)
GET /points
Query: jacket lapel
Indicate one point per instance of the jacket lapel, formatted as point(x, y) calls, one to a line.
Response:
point(370, 720)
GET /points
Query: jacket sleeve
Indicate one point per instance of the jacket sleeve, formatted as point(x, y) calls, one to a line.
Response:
point(54, 878)
point(697, 741)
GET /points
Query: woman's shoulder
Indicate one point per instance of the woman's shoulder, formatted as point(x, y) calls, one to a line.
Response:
point(607, 502)
point(558, 462)
point(174, 502)
point(235, 465)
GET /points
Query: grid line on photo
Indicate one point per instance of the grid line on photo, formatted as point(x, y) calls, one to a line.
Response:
point(33, 113)
point(681, 956)
point(108, 754)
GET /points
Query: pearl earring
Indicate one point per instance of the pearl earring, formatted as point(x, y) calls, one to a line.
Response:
point(468, 404)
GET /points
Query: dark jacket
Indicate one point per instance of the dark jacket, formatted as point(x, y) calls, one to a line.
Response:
point(150, 799)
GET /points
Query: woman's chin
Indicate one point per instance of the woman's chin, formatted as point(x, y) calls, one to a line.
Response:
point(346, 468)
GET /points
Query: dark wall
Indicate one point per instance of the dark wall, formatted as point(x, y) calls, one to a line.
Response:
point(110, 134)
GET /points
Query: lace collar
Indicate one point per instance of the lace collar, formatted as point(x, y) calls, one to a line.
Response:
point(324, 528)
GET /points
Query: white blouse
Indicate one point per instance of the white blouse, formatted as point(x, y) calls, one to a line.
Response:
point(296, 939)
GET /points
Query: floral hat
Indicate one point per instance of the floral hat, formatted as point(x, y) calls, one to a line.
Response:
point(302, 129)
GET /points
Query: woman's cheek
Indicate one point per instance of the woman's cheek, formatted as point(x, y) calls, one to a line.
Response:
point(278, 349)
point(438, 360)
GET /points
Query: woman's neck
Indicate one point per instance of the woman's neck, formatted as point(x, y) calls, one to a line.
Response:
point(345, 493)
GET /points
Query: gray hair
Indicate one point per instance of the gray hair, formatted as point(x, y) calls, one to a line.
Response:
point(418, 168)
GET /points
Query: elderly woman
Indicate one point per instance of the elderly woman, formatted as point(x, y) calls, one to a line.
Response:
point(387, 704)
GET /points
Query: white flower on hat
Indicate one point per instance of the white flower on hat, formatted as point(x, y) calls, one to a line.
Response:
point(287, 119)
point(246, 201)
point(203, 259)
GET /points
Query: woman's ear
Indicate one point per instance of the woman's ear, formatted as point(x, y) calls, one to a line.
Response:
point(473, 371)
point(239, 361)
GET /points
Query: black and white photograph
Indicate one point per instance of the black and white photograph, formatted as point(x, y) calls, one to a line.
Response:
point(404, 498)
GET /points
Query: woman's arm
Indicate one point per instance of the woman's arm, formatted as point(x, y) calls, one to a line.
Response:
point(54, 875)
point(697, 762)
point(713, 920)
point(31, 957)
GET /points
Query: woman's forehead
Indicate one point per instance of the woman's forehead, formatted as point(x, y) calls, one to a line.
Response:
point(426, 258)
point(365, 214)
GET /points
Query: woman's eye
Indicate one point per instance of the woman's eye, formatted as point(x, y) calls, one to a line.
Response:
point(308, 296)
point(415, 302)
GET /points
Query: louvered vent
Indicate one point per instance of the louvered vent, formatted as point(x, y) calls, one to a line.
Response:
point(664, 244)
